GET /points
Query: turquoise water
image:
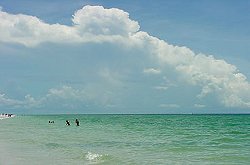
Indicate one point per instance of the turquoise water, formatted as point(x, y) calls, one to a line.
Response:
point(125, 139)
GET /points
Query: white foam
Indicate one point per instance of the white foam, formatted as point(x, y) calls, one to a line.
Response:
point(92, 156)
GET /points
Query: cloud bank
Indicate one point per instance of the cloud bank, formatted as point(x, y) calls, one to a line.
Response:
point(95, 24)
point(90, 24)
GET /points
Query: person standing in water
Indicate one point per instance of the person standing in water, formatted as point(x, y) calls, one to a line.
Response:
point(77, 122)
point(67, 123)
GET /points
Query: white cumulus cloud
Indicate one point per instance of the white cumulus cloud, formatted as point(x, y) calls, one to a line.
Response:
point(97, 24)
point(99, 21)
point(90, 24)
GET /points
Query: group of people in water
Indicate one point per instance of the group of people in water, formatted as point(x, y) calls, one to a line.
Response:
point(6, 115)
point(67, 122)
point(76, 121)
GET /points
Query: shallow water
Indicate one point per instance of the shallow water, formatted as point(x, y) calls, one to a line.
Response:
point(125, 139)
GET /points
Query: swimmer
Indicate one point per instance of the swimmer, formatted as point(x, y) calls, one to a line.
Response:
point(67, 122)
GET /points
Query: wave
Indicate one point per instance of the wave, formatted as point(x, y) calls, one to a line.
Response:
point(92, 156)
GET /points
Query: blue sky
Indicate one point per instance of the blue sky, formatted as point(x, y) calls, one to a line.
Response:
point(124, 57)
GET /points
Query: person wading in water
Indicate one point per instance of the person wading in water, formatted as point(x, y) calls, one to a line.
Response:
point(77, 122)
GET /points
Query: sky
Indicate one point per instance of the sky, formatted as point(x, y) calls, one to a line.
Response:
point(134, 56)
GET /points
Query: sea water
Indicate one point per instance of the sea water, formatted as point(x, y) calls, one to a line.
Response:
point(125, 139)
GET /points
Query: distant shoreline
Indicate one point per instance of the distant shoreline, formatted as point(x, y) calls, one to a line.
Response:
point(127, 114)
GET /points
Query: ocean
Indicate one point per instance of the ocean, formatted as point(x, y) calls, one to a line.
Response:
point(125, 140)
